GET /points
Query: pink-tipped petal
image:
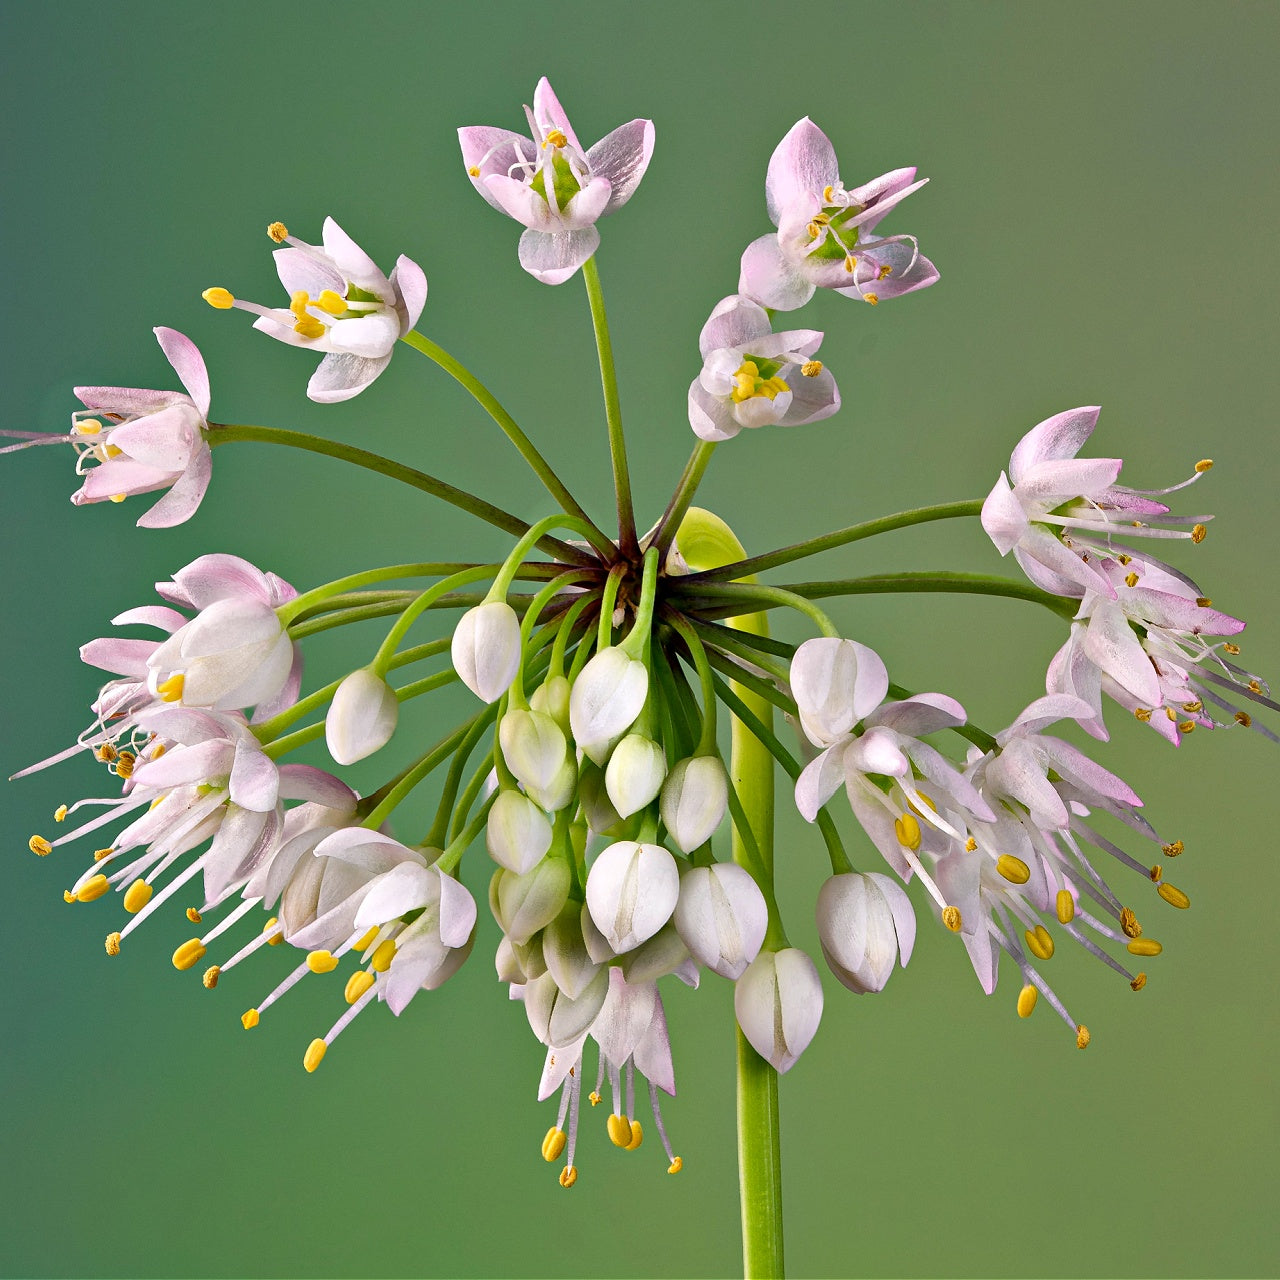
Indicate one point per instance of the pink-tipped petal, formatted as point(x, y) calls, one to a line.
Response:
point(341, 376)
point(622, 157)
point(1062, 436)
point(187, 363)
point(182, 500)
point(769, 279)
point(410, 284)
point(803, 164)
point(554, 257)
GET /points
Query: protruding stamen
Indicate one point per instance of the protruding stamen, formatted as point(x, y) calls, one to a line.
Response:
point(309, 327)
point(68, 897)
point(113, 944)
point(60, 813)
point(1172, 850)
point(383, 956)
point(193, 915)
point(1129, 925)
point(124, 765)
point(190, 953)
point(1066, 906)
point(1243, 718)
point(1144, 947)
point(314, 1054)
point(321, 961)
point(1143, 714)
point(555, 138)
point(1082, 1037)
point(637, 1136)
point(1205, 464)
point(1013, 869)
point(811, 368)
point(1198, 533)
point(474, 171)
point(568, 1176)
point(249, 1019)
point(1139, 982)
point(278, 232)
point(136, 896)
point(210, 978)
point(1130, 579)
point(619, 1130)
point(276, 938)
point(40, 846)
point(553, 1144)
point(1174, 897)
point(1039, 942)
point(357, 985)
point(871, 298)
point(93, 888)
point(951, 918)
point(219, 299)
point(1027, 998)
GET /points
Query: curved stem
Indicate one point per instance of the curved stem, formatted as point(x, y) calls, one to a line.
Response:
point(496, 516)
point(943, 581)
point(388, 647)
point(682, 499)
point(706, 678)
point(627, 540)
point(528, 450)
point(829, 541)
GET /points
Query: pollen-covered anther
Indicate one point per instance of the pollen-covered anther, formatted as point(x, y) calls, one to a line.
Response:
point(1198, 533)
point(250, 1019)
point(553, 1144)
point(219, 299)
point(637, 1136)
point(811, 368)
point(1155, 873)
point(951, 918)
point(105, 754)
point(850, 264)
point(1027, 998)
point(1131, 579)
point(970, 845)
point(1205, 464)
point(1186, 726)
point(314, 1055)
point(1193, 707)
point(193, 915)
point(321, 961)
point(676, 1165)
point(871, 298)
point(1065, 905)
point(170, 690)
point(190, 953)
point(273, 924)
point(60, 813)
point(1172, 850)
point(1203, 602)
point(556, 138)
point(99, 854)
point(568, 1176)
point(1143, 714)
point(1144, 947)
point(136, 896)
point(594, 1098)
point(1243, 718)
point(1082, 1037)
point(40, 846)
point(619, 1130)
point(331, 303)
point(1039, 942)
point(885, 272)
point(1138, 983)
point(1173, 896)
point(309, 327)
point(907, 829)
point(93, 888)
point(1013, 869)
point(113, 944)
point(357, 985)
point(1129, 925)
point(124, 765)
point(383, 956)
point(68, 896)
point(278, 232)
point(210, 977)
point(474, 170)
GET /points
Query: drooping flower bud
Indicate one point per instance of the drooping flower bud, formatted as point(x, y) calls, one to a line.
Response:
point(558, 1019)
point(517, 833)
point(529, 902)
point(778, 1002)
point(559, 791)
point(551, 697)
point(722, 917)
point(662, 954)
point(533, 746)
point(864, 923)
point(631, 892)
point(362, 717)
point(694, 799)
point(634, 774)
point(565, 951)
point(597, 808)
point(607, 696)
point(486, 649)
point(836, 683)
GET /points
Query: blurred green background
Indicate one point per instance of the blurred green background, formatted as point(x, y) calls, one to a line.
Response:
point(1102, 211)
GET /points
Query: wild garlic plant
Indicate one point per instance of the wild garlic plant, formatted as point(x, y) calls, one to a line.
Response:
point(614, 783)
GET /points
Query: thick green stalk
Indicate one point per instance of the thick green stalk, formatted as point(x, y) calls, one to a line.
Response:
point(528, 450)
point(682, 499)
point(486, 511)
point(627, 539)
point(829, 541)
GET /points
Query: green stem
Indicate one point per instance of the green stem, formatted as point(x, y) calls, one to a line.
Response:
point(637, 640)
point(853, 533)
point(748, 594)
point(387, 650)
point(943, 581)
point(627, 540)
point(682, 499)
point(706, 678)
point(528, 450)
point(496, 516)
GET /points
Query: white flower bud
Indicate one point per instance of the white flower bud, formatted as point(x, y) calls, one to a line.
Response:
point(529, 902)
point(607, 696)
point(552, 699)
point(864, 923)
point(598, 947)
point(486, 649)
point(557, 1019)
point(631, 891)
point(507, 963)
point(362, 717)
point(559, 791)
point(722, 917)
point(565, 952)
point(662, 954)
point(778, 1002)
point(530, 958)
point(694, 799)
point(597, 808)
point(634, 774)
point(533, 746)
point(836, 683)
point(517, 833)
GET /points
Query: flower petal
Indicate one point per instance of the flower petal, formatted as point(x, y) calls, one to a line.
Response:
point(553, 257)
point(622, 157)
point(341, 375)
point(1062, 436)
point(802, 165)
point(188, 364)
point(769, 279)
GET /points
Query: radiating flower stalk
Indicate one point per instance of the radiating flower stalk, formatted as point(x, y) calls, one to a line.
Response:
point(614, 779)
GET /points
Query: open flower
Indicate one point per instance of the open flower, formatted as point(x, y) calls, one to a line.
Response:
point(129, 440)
point(825, 234)
point(340, 304)
point(753, 377)
point(553, 185)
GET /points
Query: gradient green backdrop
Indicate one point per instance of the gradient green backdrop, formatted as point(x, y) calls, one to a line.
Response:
point(1103, 213)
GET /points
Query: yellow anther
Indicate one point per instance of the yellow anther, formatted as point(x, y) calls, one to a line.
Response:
point(951, 918)
point(383, 956)
point(1131, 580)
point(314, 1055)
point(367, 941)
point(68, 896)
point(193, 915)
point(1039, 942)
point(1027, 998)
point(1066, 906)
point(40, 846)
point(828, 194)
point(1193, 706)
point(170, 690)
point(907, 829)
point(594, 1098)
point(249, 1019)
point(321, 961)
point(1170, 714)
point(221, 299)
point(1129, 925)
point(1243, 718)
point(210, 978)
point(553, 1144)
point(926, 801)
point(1172, 850)
point(278, 938)
point(556, 138)
point(1082, 1037)
point(1144, 947)
point(117, 497)
point(1186, 726)
point(299, 301)
point(190, 953)
point(1139, 982)
point(309, 327)
point(1205, 464)
point(474, 171)
point(637, 1136)
point(60, 813)
point(1198, 533)
point(1174, 897)
point(1143, 714)
point(113, 944)
point(1013, 869)
point(1124, 559)
point(821, 220)
point(99, 854)
point(136, 896)
point(675, 1166)
point(93, 888)
point(105, 754)
point(811, 368)
point(885, 272)
point(357, 985)
point(89, 427)
point(871, 298)
point(1155, 872)
point(124, 764)
point(1203, 602)
point(1234, 651)
point(278, 232)
point(112, 451)
point(970, 845)
point(850, 263)
point(619, 1129)
point(568, 1176)
point(331, 302)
